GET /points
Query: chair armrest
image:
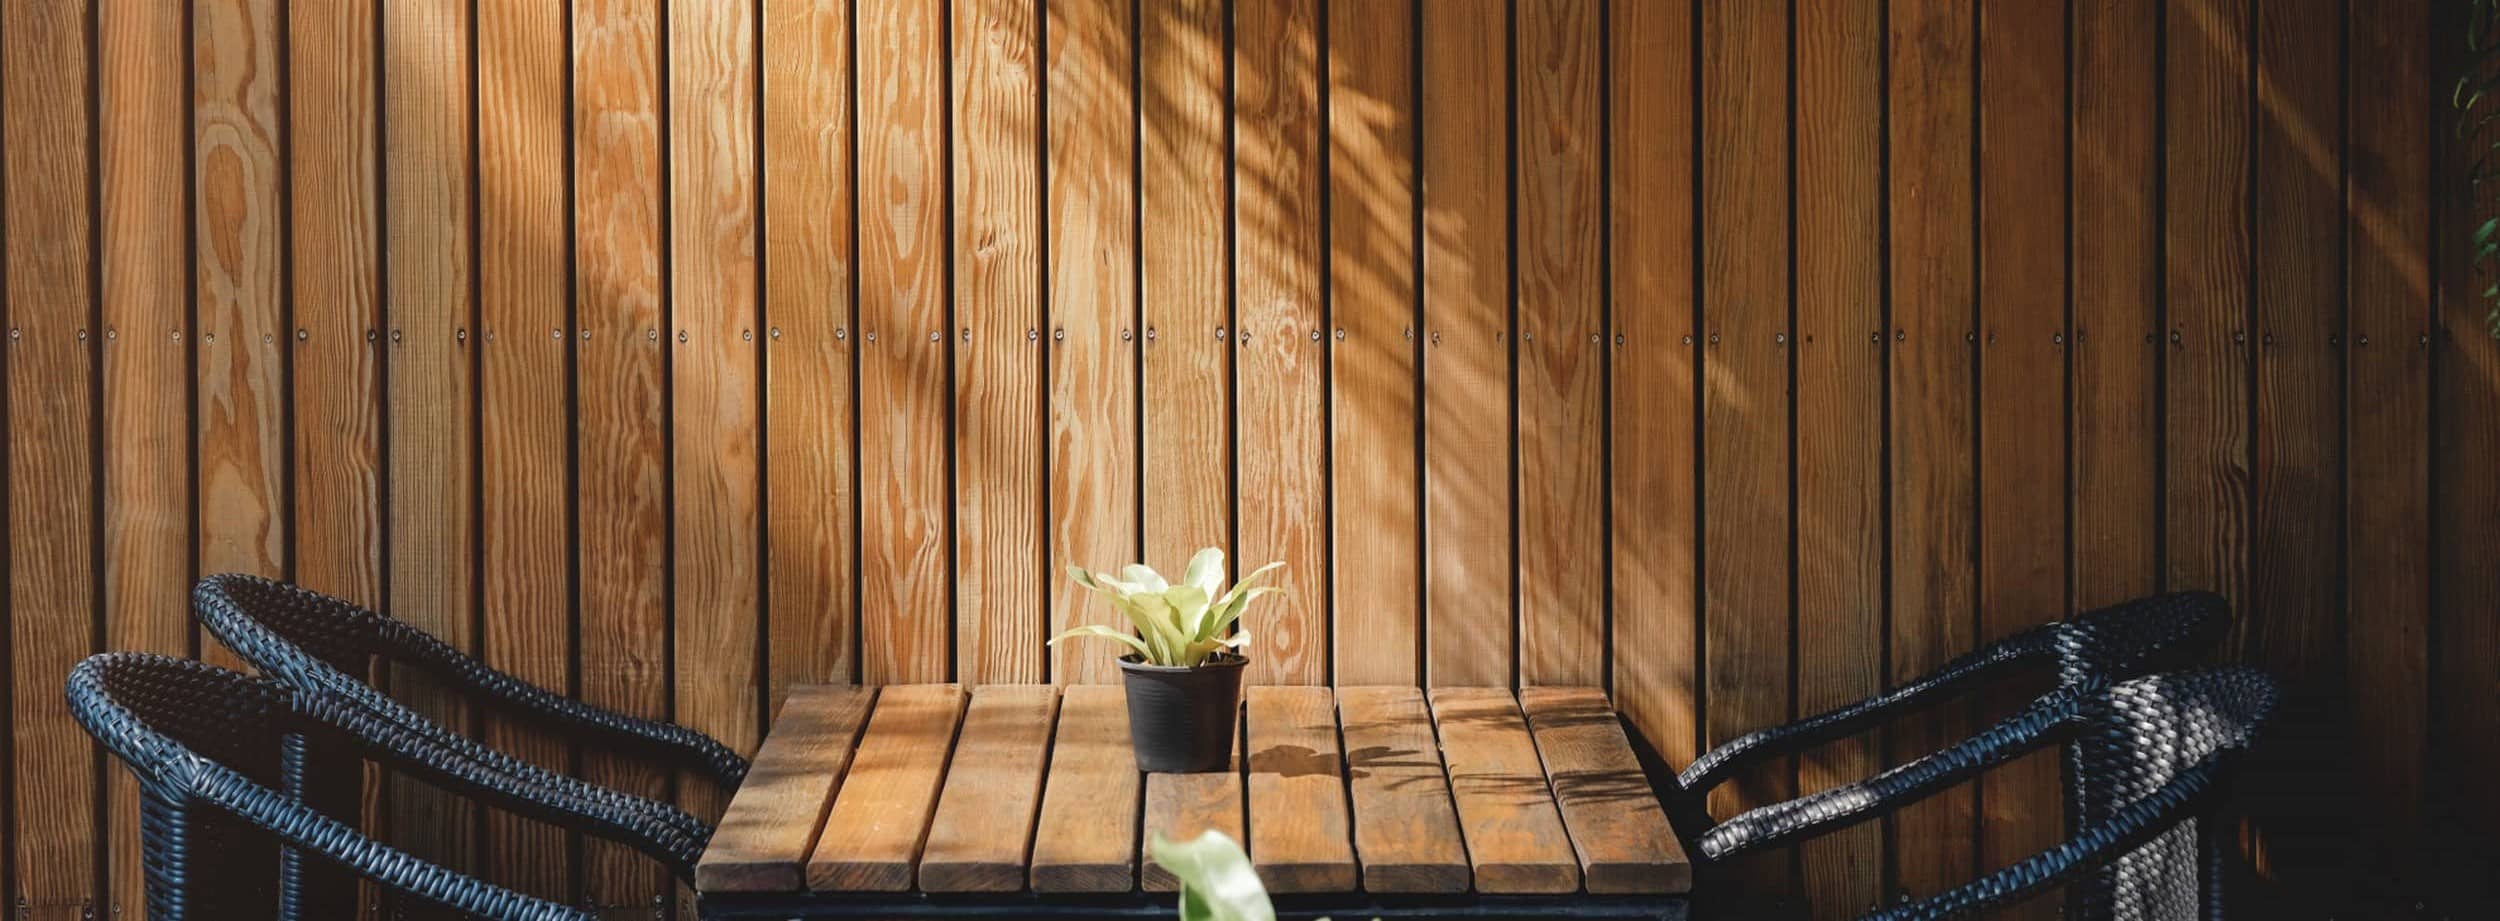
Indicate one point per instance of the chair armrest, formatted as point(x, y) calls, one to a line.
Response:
point(1716, 765)
point(594, 725)
point(2128, 828)
point(2043, 721)
point(311, 833)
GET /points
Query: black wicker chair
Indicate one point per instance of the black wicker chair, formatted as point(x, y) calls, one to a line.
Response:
point(219, 759)
point(317, 647)
point(2140, 851)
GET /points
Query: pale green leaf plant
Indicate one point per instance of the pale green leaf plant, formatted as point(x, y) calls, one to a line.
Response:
point(1175, 625)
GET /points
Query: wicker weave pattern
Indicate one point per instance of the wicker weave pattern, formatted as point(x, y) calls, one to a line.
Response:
point(2166, 741)
point(210, 749)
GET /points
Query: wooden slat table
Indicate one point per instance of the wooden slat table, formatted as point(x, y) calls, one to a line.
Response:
point(1023, 801)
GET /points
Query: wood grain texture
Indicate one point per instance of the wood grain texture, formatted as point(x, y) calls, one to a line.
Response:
point(1405, 829)
point(999, 483)
point(2116, 275)
point(429, 371)
point(1616, 823)
point(1934, 549)
point(1280, 375)
point(1515, 838)
point(1375, 521)
point(811, 434)
point(1086, 839)
point(50, 362)
point(716, 481)
point(1468, 513)
point(2022, 382)
point(2205, 258)
point(1186, 298)
point(1747, 369)
point(240, 292)
point(2387, 392)
point(1180, 807)
point(1301, 841)
point(886, 799)
point(981, 838)
point(1094, 340)
point(620, 443)
point(1562, 356)
point(766, 834)
point(524, 417)
point(905, 538)
point(2295, 627)
point(1840, 383)
point(1654, 491)
point(143, 146)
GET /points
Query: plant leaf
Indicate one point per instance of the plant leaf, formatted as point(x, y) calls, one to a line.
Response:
point(1144, 577)
point(1105, 633)
point(1217, 883)
point(1154, 618)
point(1206, 571)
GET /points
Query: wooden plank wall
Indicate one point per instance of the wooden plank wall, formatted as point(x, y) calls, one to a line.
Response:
point(1747, 357)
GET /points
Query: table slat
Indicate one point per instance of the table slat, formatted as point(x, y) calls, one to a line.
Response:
point(1299, 840)
point(1616, 825)
point(1180, 806)
point(1405, 832)
point(977, 842)
point(881, 816)
point(763, 841)
point(1515, 837)
point(1087, 840)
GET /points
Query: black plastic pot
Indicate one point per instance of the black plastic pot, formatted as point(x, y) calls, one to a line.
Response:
point(1181, 720)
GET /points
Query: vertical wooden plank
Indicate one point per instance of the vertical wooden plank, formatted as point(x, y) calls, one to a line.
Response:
point(1087, 837)
point(1471, 638)
point(712, 378)
point(523, 263)
point(238, 176)
point(50, 311)
point(810, 415)
point(1375, 524)
point(144, 148)
point(334, 193)
point(1840, 423)
point(981, 837)
point(429, 369)
point(2116, 276)
point(620, 444)
point(2022, 387)
point(1302, 841)
point(999, 483)
point(2295, 625)
point(2205, 265)
point(2465, 520)
point(1092, 287)
point(1282, 452)
point(905, 611)
point(1186, 295)
point(1655, 539)
point(1562, 361)
point(1746, 463)
point(1934, 553)
point(2387, 249)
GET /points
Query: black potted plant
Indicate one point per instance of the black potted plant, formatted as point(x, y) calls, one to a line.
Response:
point(1182, 672)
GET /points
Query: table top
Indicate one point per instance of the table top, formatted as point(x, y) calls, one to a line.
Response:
point(1032, 789)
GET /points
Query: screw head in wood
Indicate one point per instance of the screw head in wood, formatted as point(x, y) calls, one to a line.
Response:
point(1127, 335)
point(774, 332)
point(1056, 335)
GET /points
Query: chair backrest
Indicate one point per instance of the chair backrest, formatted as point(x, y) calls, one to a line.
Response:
point(215, 753)
point(2152, 731)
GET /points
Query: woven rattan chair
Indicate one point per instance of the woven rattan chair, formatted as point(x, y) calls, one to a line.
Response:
point(219, 759)
point(2142, 849)
point(318, 648)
